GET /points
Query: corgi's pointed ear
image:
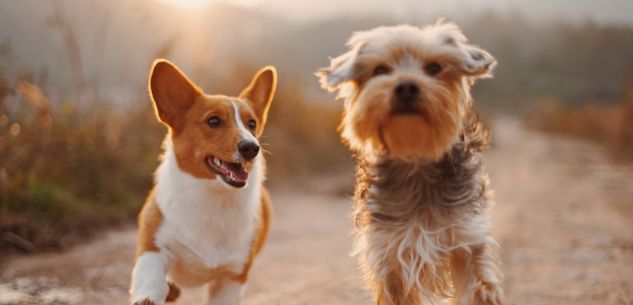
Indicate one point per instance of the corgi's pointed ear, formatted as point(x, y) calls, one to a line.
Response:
point(171, 91)
point(260, 92)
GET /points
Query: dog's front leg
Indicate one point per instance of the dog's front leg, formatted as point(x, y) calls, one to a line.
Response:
point(391, 291)
point(226, 292)
point(476, 277)
point(149, 285)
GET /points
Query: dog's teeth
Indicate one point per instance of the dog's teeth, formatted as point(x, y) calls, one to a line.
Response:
point(217, 161)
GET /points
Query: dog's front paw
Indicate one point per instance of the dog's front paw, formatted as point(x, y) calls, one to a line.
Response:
point(489, 294)
point(145, 302)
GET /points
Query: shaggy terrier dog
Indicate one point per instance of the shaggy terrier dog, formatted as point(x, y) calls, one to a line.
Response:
point(422, 194)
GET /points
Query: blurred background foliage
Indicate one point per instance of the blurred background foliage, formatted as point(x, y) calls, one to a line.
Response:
point(79, 141)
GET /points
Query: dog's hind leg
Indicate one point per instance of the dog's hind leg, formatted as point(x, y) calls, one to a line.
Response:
point(225, 292)
point(476, 277)
point(174, 292)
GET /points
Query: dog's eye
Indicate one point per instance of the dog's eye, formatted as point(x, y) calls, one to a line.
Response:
point(380, 70)
point(433, 69)
point(251, 124)
point(214, 121)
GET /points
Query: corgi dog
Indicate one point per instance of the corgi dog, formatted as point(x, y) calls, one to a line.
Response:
point(208, 214)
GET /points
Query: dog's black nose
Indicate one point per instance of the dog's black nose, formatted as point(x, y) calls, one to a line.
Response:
point(248, 149)
point(407, 92)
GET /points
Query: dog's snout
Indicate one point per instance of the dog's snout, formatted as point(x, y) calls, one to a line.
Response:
point(248, 149)
point(407, 92)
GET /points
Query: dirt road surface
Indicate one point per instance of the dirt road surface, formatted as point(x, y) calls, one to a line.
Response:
point(564, 218)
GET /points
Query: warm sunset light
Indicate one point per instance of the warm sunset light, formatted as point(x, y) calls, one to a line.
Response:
point(188, 3)
point(199, 3)
point(377, 152)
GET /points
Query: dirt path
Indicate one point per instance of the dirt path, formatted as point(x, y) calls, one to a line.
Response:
point(564, 218)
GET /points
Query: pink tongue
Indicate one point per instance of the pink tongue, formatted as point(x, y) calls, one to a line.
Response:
point(238, 171)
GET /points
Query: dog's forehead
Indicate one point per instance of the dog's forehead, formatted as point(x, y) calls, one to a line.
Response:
point(224, 103)
point(244, 106)
point(214, 101)
point(397, 40)
point(207, 105)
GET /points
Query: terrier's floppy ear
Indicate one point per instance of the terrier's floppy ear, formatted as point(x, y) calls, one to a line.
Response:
point(260, 92)
point(171, 91)
point(472, 60)
point(477, 62)
point(341, 68)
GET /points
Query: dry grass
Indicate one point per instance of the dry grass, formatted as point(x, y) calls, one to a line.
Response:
point(609, 124)
point(66, 172)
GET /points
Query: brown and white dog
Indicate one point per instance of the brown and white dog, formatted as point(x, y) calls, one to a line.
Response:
point(208, 214)
point(422, 227)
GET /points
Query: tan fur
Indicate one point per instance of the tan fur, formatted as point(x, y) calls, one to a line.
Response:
point(260, 94)
point(173, 294)
point(191, 152)
point(422, 229)
point(149, 220)
point(185, 110)
point(195, 108)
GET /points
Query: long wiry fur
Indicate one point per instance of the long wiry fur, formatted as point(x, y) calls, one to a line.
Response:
point(422, 229)
point(422, 214)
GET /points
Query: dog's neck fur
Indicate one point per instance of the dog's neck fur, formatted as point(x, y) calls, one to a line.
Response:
point(210, 210)
point(390, 190)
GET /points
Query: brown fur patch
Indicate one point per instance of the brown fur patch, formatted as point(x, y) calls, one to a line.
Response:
point(198, 140)
point(260, 94)
point(172, 92)
point(149, 220)
point(185, 109)
point(173, 294)
point(370, 124)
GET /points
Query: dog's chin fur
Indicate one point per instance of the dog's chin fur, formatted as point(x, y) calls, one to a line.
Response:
point(422, 192)
point(371, 128)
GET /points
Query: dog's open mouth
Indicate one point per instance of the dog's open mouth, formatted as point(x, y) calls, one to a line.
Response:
point(232, 173)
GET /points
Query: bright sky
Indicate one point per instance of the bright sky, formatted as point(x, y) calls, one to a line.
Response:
point(193, 4)
point(608, 11)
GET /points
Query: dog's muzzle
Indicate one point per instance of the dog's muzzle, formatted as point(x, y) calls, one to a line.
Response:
point(407, 97)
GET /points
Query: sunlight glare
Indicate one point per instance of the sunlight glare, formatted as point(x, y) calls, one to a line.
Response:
point(189, 4)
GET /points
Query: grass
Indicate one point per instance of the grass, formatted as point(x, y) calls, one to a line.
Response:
point(67, 172)
point(610, 124)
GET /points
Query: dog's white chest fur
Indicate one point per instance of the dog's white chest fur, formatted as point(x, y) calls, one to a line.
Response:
point(206, 221)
